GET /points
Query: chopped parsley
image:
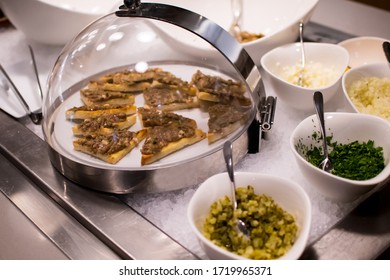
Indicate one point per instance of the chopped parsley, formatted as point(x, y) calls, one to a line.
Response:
point(354, 160)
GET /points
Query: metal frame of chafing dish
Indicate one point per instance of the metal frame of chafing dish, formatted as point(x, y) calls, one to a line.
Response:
point(165, 178)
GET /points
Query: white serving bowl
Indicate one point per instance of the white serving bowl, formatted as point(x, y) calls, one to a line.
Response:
point(278, 20)
point(275, 62)
point(55, 21)
point(289, 195)
point(345, 128)
point(379, 70)
point(364, 50)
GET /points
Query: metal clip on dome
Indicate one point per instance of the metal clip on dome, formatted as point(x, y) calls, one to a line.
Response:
point(129, 8)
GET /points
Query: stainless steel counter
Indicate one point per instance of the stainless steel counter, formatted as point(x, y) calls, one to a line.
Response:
point(96, 226)
point(44, 215)
point(33, 226)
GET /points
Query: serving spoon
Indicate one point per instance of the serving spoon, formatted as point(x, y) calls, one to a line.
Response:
point(303, 57)
point(386, 49)
point(235, 28)
point(319, 107)
point(240, 226)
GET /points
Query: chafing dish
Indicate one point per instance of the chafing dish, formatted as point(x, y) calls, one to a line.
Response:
point(147, 35)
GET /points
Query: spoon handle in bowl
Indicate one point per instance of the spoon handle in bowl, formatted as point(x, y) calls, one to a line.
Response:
point(319, 106)
point(228, 155)
point(386, 49)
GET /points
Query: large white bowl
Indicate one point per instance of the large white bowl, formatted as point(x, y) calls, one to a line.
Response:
point(55, 21)
point(289, 195)
point(274, 62)
point(379, 70)
point(278, 20)
point(345, 128)
point(364, 50)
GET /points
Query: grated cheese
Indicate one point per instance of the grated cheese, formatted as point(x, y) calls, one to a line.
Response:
point(371, 95)
point(316, 75)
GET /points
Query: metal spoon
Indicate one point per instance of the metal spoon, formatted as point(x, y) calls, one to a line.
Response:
point(235, 28)
point(228, 155)
point(319, 106)
point(386, 49)
point(303, 58)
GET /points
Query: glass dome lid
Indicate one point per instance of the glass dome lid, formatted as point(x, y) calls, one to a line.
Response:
point(150, 87)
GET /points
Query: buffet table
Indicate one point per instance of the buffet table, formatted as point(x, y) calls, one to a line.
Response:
point(47, 214)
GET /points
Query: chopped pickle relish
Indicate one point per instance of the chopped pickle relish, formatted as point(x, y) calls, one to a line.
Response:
point(272, 230)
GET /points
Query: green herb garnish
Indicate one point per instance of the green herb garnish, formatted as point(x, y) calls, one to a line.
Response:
point(356, 161)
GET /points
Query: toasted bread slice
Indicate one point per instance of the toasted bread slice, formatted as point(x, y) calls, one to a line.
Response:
point(132, 76)
point(223, 132)
point(202, 95)
point(153, 117)
point(111, 148)
point(99, 96)
point(219, 90)
point(128, 88)
point(171, 97)
point(170, 147)
point(223, 120)
point(128, 81)
point(90, 112)
point(168, 132)
point(104, 125)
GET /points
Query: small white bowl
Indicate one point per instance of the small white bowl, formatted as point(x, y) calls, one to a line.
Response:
point(289, 195)
point(364, 50)
point(379, 70)
point(55, 22)
point(275, 62)
point(345, 128)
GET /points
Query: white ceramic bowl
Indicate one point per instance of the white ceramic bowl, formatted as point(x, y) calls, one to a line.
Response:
point(379, 70)
point(345, 127)
point(278, 20)
point(364, 50)
point(289, 195)
point(55, 21)
point(275, 62)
